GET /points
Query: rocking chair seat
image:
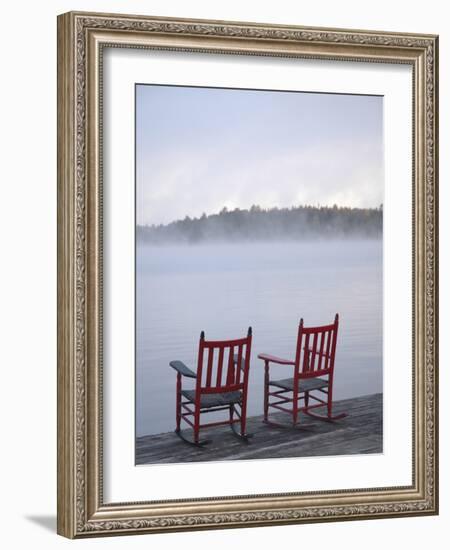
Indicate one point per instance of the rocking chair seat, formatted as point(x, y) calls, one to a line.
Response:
point(213, 399)
point(304, 384)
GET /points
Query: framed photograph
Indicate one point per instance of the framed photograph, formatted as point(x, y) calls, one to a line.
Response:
point(247, 274)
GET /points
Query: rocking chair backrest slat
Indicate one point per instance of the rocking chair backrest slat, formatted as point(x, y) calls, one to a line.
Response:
point(210, 364)
point(230, 369)
point(223, 365)
point(239, 364)
point(220, 366)
point(327, 356)
point(305, 367)
point(315, 356)
point(313, 353)
point(322, 340)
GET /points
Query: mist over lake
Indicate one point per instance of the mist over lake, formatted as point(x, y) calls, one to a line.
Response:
point(182, 289)
point(256, 224)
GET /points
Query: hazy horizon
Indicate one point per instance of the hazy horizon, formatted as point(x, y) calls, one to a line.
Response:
point(224, 208)
point(273, 224)
point(201, 149)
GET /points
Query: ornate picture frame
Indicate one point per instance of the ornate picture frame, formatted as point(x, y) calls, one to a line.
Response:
point(82, 510)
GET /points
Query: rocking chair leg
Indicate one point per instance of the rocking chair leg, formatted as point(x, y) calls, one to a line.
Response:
point(329, 416)
point(243, 426)
point(244, 422)
point(243, 436)
point(266, 391)
point(295, 409)
point(178, 402)
point(192, 442)
point(196, 425)
point(178, 421)
point(330, 402)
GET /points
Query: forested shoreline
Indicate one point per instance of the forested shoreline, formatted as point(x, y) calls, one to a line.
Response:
point(259, 224)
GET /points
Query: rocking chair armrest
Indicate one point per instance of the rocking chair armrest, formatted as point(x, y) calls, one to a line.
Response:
point(275, 359)
point(180, 367)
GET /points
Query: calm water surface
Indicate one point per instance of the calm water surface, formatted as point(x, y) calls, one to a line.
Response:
point(223, 289)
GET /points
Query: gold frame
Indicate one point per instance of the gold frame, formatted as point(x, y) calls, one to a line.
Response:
point(81, 37)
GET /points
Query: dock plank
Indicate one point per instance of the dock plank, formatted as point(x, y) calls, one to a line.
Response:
point(361, 432)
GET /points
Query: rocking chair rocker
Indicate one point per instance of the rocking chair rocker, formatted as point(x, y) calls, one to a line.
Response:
point(313, 375)
point(221, 384)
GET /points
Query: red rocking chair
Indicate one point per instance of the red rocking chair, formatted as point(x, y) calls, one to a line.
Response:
point(221, 384)
point(313, 375)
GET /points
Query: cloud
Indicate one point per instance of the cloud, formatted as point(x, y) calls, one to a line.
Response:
point(190, 180)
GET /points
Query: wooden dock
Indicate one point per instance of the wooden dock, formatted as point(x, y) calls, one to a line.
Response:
point(361, 432)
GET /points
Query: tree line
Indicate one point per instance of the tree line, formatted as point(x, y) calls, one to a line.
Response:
point(259, 224)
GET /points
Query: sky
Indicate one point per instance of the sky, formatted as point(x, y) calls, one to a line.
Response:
point(201, 149)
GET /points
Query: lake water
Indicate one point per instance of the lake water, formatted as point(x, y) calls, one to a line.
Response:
point(222, 289)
